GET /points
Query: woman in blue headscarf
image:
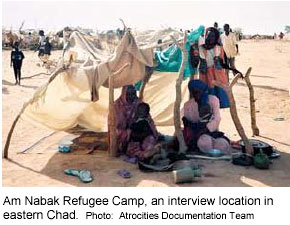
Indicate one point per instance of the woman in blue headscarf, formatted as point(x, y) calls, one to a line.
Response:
point(201, 120)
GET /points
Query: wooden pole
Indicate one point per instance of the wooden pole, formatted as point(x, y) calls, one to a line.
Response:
point(255, 128)
point(234, 113)
point(177, 124)
point(141, 93)
point(7, 144)
point(112, 120)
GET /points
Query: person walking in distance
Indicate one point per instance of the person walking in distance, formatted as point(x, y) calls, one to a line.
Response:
point(17, 57)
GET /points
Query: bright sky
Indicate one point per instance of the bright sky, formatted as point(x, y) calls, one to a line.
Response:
point(253, 17)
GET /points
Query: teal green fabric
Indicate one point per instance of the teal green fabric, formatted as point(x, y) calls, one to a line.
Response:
point(169, 60)
point(138, 85)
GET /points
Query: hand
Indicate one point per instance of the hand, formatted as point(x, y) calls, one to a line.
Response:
point(185, 121)
point(204, 130)
point(235, 71)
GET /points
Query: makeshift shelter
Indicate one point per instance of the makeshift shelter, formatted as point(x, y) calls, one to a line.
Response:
point(74, 94)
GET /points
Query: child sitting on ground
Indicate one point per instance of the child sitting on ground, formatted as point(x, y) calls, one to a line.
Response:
point(140, 128)
point(205, 113)
point(143, 137)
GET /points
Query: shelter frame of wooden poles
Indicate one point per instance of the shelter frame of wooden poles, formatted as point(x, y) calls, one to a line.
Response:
point(177, 124)
point(178, 131)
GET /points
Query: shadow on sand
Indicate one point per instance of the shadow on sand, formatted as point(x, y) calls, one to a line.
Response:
point(263, 87)
point(5, 91)
point(35, 75)
point(28, 86)
point(263, 76)
point(104, 169)
point(5, 82)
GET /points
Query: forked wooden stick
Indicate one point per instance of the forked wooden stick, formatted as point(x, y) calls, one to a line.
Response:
point(255, 128)
point(234, 113)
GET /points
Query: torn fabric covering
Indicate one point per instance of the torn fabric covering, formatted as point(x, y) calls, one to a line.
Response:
point(66, 101)
point(128, 61)
point(159, 94)
point(71, 108)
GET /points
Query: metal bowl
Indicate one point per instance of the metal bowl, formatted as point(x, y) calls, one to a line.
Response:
point(215, 153)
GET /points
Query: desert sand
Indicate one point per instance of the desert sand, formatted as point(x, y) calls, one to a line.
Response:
point(43, 165)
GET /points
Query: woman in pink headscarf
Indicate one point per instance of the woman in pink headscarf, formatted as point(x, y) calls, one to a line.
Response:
point(126, 107)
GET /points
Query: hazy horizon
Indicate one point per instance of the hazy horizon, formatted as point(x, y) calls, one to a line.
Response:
point(253, 17)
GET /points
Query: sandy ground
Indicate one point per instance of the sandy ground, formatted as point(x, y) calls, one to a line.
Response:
point(44, 166)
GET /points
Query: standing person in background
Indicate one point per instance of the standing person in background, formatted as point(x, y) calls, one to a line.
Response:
point(230, 46)
point(41, 43)
point(16, 60)
point(216, 26)
point(29, 40)
point(281, 35)
point(47, 46)
point(44, 48)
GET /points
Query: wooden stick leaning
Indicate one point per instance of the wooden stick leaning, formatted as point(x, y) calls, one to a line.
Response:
point(9, 136)
point(36, 143)
point(254, 126)
point(234, 113)
point(177, 124)
point(141, 93)
point(112, 120)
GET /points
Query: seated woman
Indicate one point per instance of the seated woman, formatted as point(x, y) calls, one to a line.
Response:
point(125, 107)
point(201, 120)
point(127, 119)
